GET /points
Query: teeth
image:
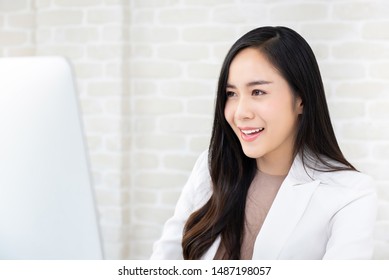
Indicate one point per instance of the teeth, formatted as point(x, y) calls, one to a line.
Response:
point(252, 131)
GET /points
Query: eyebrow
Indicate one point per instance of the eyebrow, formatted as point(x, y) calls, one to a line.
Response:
point(250, 84)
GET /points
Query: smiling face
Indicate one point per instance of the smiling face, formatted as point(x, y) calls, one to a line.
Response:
point(262, 111)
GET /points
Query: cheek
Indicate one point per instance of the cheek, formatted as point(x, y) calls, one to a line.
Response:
point(229, 113)
point(268, 112)
point(286, 121)
point(278, 109)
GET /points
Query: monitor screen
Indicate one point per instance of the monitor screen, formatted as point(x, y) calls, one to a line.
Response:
point(47, 208)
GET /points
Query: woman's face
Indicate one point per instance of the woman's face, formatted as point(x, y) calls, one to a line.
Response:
point(261, 108)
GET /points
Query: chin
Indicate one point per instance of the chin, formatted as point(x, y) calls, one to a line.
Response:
point(252, 153)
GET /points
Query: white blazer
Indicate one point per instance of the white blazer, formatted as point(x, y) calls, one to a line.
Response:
point(315, 215)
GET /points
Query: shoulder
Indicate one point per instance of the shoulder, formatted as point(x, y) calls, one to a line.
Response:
point(200, 172)
point(201, 164)
point(199, 183)
point(338, 187)
point(346, 179)
point(347, 186)
point(346, 191)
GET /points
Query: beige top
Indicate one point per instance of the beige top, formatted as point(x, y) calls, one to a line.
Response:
point(260, 197)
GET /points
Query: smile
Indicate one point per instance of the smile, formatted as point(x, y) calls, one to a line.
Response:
point(250, 134)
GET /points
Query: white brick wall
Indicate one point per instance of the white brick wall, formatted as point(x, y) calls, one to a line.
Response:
point(94, 35)
point(147, 73)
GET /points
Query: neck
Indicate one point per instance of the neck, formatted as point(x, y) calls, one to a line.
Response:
point(275, 165)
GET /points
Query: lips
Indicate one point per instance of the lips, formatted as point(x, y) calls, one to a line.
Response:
point(249, 134)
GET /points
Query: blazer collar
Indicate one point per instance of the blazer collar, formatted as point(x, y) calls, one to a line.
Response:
point(299, 173)
point(287, 208)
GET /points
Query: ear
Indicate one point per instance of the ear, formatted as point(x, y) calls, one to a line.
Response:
point(299, 105)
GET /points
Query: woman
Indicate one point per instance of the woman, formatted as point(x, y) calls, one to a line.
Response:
point(274, 183)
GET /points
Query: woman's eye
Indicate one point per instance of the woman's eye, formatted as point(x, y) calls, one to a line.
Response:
point(230, 94)
point(257, 92)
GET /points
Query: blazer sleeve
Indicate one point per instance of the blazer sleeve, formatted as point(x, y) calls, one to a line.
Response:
point(194, 194)
point(352, 226)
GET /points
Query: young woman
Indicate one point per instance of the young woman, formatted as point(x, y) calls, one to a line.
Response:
point(274, 183)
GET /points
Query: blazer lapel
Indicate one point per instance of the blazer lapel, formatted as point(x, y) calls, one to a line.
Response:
point(285, 212)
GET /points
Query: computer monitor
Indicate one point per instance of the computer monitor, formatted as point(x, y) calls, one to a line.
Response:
point(47, 207)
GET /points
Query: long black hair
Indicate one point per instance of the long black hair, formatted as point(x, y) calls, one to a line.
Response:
point(231, 170)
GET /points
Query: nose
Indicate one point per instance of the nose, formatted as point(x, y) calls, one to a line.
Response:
point(244, 110)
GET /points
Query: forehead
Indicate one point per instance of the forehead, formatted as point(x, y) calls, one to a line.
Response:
point(251, 64)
